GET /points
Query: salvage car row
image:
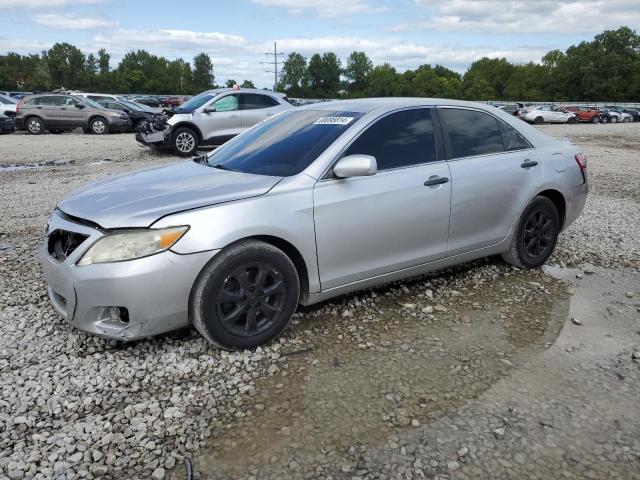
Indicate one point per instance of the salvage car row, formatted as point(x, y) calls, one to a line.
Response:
point(540, 114)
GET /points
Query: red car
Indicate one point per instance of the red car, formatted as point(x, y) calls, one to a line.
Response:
point(584, 114)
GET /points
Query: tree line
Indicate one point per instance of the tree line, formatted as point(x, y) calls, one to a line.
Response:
point(65, 65)
point(605, 68)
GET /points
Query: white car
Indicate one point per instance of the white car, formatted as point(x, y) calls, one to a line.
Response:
point(619, 116)
point(211, 118)
point(8, 104)
point(548, 114)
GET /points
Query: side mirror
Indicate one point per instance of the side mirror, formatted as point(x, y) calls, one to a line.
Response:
point(355, 166)
point(210, 109)
point(80, 106)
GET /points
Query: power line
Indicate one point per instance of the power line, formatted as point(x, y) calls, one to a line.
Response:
point(275, 54)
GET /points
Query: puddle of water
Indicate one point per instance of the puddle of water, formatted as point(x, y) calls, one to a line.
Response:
point(368, 377)
point(32, 166)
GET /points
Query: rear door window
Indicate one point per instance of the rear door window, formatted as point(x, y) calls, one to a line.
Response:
point(511, 138)
point(470, 132)
point(254, 101)
point(398, 140)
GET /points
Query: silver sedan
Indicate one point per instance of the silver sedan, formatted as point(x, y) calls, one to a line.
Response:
point(312, 203)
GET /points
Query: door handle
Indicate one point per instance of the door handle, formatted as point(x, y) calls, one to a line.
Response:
point(529, 163)
point(268, 114)
point(435, 181)
point(233, 116)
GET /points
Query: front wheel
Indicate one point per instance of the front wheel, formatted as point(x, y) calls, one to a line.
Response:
point(614, 119)
point(245, 296)
point(626, 120)
point(185, 142)
point(99, 126)
point(535, 236)
point(596, 119)
point(571, 121)
point(538, 121)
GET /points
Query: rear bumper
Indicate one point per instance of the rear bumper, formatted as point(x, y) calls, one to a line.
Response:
point(154, 290)
point(575, 203)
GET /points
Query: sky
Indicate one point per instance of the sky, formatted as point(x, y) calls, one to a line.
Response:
point(237, 33)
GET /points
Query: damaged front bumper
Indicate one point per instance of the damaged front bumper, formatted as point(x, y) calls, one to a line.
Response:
point(155, 131)
point(121, 300)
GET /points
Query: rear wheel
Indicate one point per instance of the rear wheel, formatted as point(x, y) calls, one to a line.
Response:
point(626, 120)
point(538, 120)
point(535, 236)
point(35, 126)
point(571, 120)
point(245, 296)
point(596, 119)
point(185, 141)
point(99, 126)
point(614, 119)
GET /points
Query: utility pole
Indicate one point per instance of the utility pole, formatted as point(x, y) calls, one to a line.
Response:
point(273, 62)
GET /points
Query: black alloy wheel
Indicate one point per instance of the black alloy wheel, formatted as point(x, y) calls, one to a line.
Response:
point(251, 299)
point(245, 296)
point(538, 234)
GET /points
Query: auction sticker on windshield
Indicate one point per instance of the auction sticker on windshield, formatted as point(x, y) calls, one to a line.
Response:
point(333, 121)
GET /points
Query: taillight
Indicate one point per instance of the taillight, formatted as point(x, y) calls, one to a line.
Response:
point(18, 106)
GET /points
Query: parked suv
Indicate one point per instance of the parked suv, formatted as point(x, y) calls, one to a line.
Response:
point(57, 112)
point(213, 117)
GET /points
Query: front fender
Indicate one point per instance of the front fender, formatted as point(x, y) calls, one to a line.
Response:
point(285, 213)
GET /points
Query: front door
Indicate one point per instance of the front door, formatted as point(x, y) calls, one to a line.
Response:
point(395, 219)
point(71, 114)
point(220, 120)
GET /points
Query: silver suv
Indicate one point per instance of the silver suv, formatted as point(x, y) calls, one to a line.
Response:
point(212, 118)
point(57, 112)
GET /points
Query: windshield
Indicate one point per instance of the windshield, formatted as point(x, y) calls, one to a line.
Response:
point(195, 102)
point(285, 144)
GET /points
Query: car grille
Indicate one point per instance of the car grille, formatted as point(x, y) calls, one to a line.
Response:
point(62, 243)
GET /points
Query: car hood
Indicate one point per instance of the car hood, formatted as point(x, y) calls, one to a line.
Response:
point(140, 198)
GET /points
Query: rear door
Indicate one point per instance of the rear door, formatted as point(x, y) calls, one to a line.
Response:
point(256, 107)
point(47, 107)
point(221, 121)
point(395, 219)
point(494, 172)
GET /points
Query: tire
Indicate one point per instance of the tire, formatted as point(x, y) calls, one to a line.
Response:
point(35, 125)
point(98, 126)
point(597, 120)
point(230, 292)
point(626, 120)
point(614, 119)
point(185, 142)
point(535, 236)
point(571, 121)
point(538, 121)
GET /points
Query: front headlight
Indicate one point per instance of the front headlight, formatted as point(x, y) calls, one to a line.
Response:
point(114, 114)
point(120, 246)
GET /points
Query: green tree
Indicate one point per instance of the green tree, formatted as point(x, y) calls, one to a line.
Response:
point(247, 84)
point(230, 83)
point(293, 79)
point(202, 77)
point(358, 66)
point(66, 65)
point(491, 76)
point(382, 81)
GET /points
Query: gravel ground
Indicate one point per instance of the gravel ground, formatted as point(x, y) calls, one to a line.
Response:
point(476, 372)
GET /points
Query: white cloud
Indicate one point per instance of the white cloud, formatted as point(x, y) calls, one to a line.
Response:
point(404, 55)
point(72, 22)
point(324, 8)
point(174, 41)
point(537, 16)
point(45, 3)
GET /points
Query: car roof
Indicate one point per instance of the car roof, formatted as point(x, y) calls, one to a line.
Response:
point(367, 105)
point(218, 91)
